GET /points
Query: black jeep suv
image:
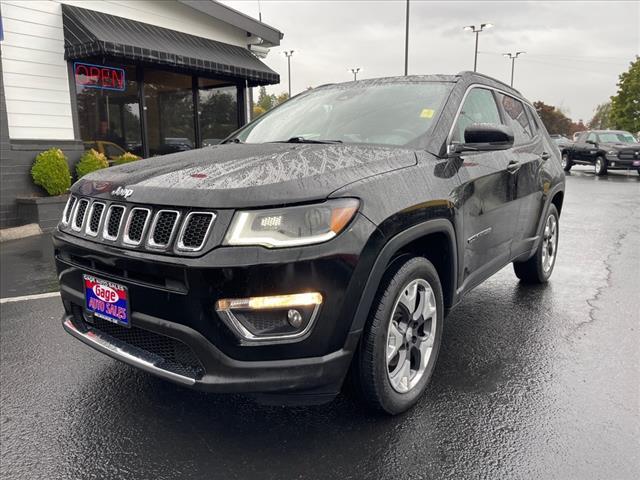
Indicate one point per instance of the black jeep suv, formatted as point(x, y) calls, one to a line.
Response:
point(332, 234)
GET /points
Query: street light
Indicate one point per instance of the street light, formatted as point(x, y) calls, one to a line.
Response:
point(355, 71)
point(472, 28)
point(406, 42)
point(288, 55)
point(512, 57)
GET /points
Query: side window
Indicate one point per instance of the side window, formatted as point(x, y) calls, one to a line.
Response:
point(592, 137)
point(533, 120)
point(479, 107)
point(516, 118)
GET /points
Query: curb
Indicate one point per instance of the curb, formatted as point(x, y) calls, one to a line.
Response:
point(23, 231)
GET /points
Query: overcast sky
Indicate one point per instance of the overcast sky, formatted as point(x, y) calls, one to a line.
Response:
point(575, 50)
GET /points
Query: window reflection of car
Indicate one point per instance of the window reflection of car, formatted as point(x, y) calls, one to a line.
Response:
point(207, 142)
point(173, 145)
point(108, 149)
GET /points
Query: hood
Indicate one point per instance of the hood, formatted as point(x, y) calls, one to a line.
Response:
point(244, 175)
point(620, 145)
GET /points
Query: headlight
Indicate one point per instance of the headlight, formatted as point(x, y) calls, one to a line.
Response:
point(291, 226)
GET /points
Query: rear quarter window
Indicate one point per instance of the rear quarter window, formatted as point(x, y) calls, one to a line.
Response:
point(516, 117)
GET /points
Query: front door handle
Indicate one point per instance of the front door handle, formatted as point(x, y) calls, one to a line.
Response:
point(513, 166)
point(545, 156)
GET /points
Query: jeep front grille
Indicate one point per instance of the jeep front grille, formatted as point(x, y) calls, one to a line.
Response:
point(163, 228)
point(136, 225)
point(78, 217)
point(160, 230)
point(195, 230)
point(95, 216)
point(66, 216)
point(114, 220)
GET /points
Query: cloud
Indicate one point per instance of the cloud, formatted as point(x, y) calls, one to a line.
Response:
point(575, 51)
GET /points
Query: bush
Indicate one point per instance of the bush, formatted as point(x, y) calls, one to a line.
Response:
point(91, 161)
point(51, 171)
point(126, 157)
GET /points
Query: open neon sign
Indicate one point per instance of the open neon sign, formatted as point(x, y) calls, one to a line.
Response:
point(99, 76)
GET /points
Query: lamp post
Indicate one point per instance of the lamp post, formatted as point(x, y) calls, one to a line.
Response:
point(512, 57)
point(355, 71)
point(406, 42)
point(288, 55)
point(474, 29)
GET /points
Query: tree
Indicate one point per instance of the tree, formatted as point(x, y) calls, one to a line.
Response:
point(625, 105)
point(602, 117)
point(553, 119)
point(265, 101)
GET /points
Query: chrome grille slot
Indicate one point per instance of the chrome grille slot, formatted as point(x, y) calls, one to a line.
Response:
point(95, 216)
point(66, 216)
point(136, 225)
point(163, 228)
point(79, 215)
point(195, 230)
point(111, 230)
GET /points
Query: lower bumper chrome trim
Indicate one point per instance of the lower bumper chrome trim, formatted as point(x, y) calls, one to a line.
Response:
point(124, 352)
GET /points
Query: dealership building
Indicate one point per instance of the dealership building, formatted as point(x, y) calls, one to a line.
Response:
point(147, 77)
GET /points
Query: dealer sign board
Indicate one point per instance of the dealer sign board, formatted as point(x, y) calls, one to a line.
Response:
point(101, 77)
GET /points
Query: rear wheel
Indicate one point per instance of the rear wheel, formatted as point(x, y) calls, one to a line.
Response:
point(538, 268)
point(601, 166)
point(566, 162)
point(401, 341)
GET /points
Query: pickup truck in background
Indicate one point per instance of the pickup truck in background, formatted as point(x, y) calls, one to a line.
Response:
point(605, 150)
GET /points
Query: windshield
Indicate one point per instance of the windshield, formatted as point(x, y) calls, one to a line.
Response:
point(385, 113)
point(616, 137)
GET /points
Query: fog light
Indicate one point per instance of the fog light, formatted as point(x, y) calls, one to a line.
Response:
point(295, 318)
point(270, 319)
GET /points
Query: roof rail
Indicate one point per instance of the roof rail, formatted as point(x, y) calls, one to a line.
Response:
point(466, 73)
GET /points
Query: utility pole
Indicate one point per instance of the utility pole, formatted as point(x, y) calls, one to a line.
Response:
point(406, 43)
point(355, 71)
point(288, 55)
point(474, 29)
point(512, 57)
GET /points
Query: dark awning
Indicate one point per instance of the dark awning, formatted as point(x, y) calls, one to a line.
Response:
point(88, 33)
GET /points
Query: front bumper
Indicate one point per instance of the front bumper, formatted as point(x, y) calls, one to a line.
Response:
point(174, 298)
point(615, 163)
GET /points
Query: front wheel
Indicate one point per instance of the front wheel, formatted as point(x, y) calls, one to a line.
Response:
point(538, 268)
point(400, 343)
point(601, 166)
point(566, 162)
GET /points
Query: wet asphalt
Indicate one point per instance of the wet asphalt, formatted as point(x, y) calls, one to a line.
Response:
point(532, 382)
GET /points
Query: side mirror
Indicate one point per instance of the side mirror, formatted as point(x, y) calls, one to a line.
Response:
point(591, 142)
point(485, 137)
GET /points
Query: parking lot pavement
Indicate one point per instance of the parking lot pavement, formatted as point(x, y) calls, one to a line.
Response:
point(27, 266)
point(535, 382)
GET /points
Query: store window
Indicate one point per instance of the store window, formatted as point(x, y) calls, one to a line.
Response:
point(170, 112)
point(108, 113)
point(218, 110)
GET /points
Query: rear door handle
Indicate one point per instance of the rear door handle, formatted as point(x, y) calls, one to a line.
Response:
point(545, 156)
point(513, 166)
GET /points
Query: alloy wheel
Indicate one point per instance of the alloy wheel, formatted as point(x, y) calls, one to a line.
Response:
point(549, 243)
point(411, 335)
point(599, 165)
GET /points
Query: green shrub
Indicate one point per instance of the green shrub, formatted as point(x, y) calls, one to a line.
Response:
point(51, 171)
point(126, 157)
point(91, 161)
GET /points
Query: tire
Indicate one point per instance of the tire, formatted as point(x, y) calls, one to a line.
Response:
point(539, 268)
point(600, 167)
point(378, 373)
point(566, 162)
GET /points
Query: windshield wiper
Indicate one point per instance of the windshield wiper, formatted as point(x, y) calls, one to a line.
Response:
point(306, 140)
